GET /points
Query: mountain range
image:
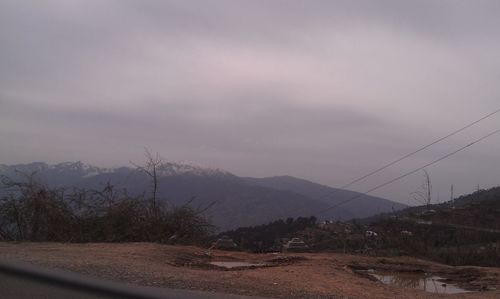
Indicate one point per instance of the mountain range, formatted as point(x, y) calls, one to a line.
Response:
point(240, 201)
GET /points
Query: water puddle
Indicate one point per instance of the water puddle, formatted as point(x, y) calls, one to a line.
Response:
point(230, 265)
point(420, 281)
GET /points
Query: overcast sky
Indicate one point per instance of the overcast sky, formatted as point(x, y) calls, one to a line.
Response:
point(323, 90)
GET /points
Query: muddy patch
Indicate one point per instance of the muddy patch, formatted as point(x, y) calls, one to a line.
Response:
point(419, 281)
point(286, 260)
point(216, 262)
point(431, 279)
point(240, 265)
point(236, 264)
point(190, 260)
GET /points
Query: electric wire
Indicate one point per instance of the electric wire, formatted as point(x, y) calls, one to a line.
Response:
point(409, 173)
point(408, 155)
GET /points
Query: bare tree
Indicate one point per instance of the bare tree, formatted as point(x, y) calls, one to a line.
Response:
point(424, 193)
point(30, 210)
point(153, 162)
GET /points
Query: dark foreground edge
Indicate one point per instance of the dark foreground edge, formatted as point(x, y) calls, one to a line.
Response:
point(18, 280)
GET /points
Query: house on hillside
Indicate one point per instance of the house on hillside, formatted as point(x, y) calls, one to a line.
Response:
point(336, 226)
point(225, 243)
point(295, 245)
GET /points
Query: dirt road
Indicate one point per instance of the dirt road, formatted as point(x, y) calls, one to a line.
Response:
point(301, 275)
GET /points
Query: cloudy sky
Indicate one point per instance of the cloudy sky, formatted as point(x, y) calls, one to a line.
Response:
point(323, 90)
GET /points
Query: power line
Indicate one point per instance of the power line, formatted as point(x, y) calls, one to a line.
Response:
point(408, 173)
point(398, 160)
point(410, 154)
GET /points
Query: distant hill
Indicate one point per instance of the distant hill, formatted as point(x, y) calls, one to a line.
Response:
point(479, 209)
point(239, 201)
point(363, 206)
point(463, 231)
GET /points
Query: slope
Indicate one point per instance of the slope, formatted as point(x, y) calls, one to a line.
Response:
point(361, 207)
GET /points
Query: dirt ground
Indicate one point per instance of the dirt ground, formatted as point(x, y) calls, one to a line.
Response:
point(299, 275)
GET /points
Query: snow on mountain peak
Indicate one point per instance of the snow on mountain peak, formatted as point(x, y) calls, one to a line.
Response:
point(87, 170)
point(171, 169)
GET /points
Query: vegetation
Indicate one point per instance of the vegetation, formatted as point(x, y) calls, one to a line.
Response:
point(439, 242)
point(32, 211)
point(267, 237)
point(464, 231)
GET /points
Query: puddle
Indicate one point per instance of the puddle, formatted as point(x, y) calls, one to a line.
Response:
point(230, 265)
point(420, 281)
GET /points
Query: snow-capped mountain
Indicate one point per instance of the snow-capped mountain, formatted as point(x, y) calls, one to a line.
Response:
point(239, 201)
point(84, 170)
point(68, 169)
point(172, 169)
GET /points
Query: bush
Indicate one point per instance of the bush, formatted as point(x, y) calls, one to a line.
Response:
point(30, 211)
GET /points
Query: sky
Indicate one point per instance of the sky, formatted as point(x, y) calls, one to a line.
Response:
point(322, 90)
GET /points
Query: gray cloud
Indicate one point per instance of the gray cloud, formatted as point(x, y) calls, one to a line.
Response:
point(325, 90)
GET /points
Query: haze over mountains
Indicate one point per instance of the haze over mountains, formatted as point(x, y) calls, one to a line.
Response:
point(239, 201)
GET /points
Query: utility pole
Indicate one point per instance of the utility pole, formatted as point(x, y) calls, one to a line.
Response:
point(451, 193)
point(477, 192)
point(428, 186)
point(423, 195)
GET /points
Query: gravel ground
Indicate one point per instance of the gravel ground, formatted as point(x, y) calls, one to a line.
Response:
point(300, 275)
